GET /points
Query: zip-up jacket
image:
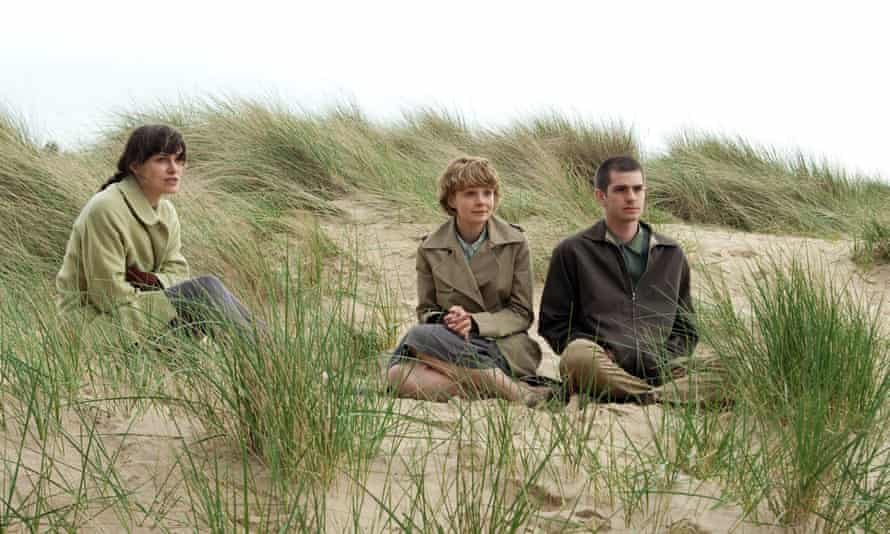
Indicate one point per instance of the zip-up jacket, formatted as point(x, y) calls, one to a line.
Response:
point(589, 294)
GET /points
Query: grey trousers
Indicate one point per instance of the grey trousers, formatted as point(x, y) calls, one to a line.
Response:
point(203, 302)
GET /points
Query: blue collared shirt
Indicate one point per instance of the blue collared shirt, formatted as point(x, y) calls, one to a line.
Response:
point(471, 249)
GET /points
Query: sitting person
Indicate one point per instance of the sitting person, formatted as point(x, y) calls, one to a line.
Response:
point(124, 256)
point(617, 305)
point(474, 287)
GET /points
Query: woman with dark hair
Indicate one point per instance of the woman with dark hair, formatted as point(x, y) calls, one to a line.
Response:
point(124, 256)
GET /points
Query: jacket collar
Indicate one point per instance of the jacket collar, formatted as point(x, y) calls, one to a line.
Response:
point(136, 200)
point(500, 232)
point(598, 232)
point(454, 269)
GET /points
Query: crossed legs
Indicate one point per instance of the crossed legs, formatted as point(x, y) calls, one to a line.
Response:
point(429, 378)
point(587, 368)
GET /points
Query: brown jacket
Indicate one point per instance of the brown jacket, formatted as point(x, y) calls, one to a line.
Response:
point(495, 287)
point(589, 294)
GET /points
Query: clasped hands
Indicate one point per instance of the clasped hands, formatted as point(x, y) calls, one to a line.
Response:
point(458, 321)
point(142, 280)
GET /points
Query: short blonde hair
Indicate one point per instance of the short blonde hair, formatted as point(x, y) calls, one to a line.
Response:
point(465, 172)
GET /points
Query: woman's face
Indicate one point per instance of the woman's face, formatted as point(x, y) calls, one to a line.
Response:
point(159, 175)
point(474, 205)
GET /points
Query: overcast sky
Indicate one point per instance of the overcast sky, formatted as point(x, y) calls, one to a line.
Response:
point(789, 74)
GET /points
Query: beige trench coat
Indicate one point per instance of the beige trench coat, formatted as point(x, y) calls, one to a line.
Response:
point(495, 287)
point(118, 228)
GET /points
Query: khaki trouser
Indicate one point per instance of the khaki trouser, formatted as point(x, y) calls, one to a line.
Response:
point(586, 367)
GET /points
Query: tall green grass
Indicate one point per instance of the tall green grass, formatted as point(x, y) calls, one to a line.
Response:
point(275, 161)
point(871, 244)
point(270, 440)
point(298, 394)
point(809, 374)
point(255, 146)
point(706, 178)
point(40, 194)
point(298, 400)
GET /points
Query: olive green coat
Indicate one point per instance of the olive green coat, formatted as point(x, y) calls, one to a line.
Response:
point(116, 229)
point(495, 287)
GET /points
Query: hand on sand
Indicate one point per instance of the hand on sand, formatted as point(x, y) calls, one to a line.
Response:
point(458, 321)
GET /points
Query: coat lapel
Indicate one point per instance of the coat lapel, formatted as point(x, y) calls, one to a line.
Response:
point(150, 219)
point(484, 264)
point(500, 233)
point(450, 265)
point(138, 203)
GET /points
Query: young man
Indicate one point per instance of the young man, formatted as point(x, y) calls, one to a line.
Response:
point(616, 302)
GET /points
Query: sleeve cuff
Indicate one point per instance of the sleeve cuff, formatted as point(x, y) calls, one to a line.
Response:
point(166, 280)
point(485, 324)
point(433, 317)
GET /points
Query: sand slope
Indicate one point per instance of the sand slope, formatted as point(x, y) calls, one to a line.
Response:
point(456, 448)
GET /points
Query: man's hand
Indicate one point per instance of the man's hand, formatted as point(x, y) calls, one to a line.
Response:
point(458, 321)
point(142, 280)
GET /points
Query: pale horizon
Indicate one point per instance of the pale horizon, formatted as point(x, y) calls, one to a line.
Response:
point(794, 76)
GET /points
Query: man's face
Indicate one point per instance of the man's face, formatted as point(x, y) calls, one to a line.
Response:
point(623, 201)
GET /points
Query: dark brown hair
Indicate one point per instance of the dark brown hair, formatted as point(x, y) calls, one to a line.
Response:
point(618, 164)
point(145, 142)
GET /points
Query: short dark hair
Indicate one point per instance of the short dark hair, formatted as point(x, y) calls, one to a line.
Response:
point(618, 164)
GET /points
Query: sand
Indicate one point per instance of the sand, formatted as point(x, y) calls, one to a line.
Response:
point(441, 442)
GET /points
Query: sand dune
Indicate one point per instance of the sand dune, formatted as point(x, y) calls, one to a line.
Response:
point(458, 449)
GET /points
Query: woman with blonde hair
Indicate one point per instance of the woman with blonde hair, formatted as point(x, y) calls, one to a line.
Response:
point(474, 288)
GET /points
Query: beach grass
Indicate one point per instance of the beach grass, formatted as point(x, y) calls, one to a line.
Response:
point(711, 179)
point(267, 429)
point(871, 244)
point(809, 378)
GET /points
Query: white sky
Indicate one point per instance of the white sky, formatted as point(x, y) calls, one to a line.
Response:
point(792, 74)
